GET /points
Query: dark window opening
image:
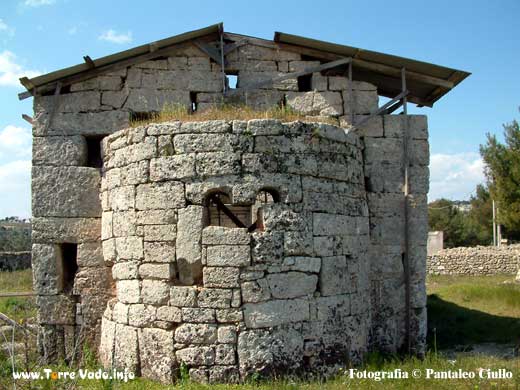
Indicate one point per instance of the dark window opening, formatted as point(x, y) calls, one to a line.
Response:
point(222, 213)
point(193, 101)
point(69, 266)
point(305, 83)
point(64, 89)
point(94, 158)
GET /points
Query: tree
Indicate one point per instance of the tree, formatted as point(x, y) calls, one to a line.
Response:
point(503, 177)
point(443, 215)
point(479, 220)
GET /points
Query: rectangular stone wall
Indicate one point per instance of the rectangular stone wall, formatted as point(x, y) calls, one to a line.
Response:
point(384, 179)
point(480, 260)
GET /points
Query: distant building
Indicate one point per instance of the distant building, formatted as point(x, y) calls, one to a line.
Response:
point(435, 242)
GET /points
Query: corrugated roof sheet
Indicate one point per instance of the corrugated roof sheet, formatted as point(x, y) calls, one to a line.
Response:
point(426, 82)
point(424, 92)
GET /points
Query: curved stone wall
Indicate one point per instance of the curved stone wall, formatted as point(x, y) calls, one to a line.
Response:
point(291, 295)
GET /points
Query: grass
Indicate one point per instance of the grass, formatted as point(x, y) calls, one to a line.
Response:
point(473, 309)
point(464, 310)
point(227, 112)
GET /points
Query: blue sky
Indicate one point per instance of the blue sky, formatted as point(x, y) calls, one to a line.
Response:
point(482, 37)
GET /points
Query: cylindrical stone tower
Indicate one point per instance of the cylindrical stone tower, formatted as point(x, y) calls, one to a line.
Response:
point(237, 247)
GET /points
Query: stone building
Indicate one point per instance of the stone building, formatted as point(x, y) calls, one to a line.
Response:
point(229, 246)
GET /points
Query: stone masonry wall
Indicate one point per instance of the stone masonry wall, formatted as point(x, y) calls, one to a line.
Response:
point(479, 260)
point(11, 261)
point(291, 297)
point(384, 177)
point(67, 214)
point(65, 181)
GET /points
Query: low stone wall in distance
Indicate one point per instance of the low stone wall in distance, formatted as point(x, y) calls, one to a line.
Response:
point(11, 261)
point(480, 260)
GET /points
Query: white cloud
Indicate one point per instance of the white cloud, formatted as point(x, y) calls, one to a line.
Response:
point(5, 29)
point(115, 37)
point(455, 176)
point(15, 142)
point(10, 71)
point(73, 30)
point(15, 182)
point(38, 3)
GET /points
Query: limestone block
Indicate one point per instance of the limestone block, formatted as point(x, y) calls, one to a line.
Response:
point(120, 313)
point(224, 354)
point(215, 298)
point(128, 291)
point(126, 351)
point(156, 271)
point(169, 313)
point(265, 127)
point(335, 307)
point(364, 102)
point(188, 248)
point(59, 151)
point(183, 296)
point(90, 255)
point(318, 82)
point(129, 248)
point(151, 99)
point(334, 224)
point(267, 247)
point(276, 312)
point(222, 277)
point(160, 232)
point(255, 291)
point(73, 230)
point(126, 270)
point(253, 52)
point(109, 251)
point(316, 103)
point(228, 255)
point(303, 264)
point(278, 216)
point(46, 269)
point(172, 167)
point(419, 152)
point(227, 334)
point(334, 277)
point(108, 81)
point(251, 78)
point(159, 196)
point(216, 126)
point(106, 345)
point(164, 145)
point(156, 217)
point(291, 284)
point(419, 179)
point(159, 252)
point(114, 99)
point(72, 102)
point(371, 128)
point(212, 142)
point(219, 235)
point(79, 198)
point(56, 309)
point(197, 356)
point(229, 315)
point(387, 230)
point(255, 350)
point(157, 355)
point(141, 315)
point(122, 198)
point(196, 334)
point(155, 292)
point(91, 123)
point(259, 163)
point(203, 81)
point(298, 243)
point(163, 128)
point(265, 99)
point(144, 149)
point(217, 163)
point(198, 315)
point(395, 126)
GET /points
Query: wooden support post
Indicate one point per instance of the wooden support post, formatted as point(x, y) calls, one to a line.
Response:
point(89, 62)
point(351, 92)
point(383, 108)
point(222, 62)
point(406, 254)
